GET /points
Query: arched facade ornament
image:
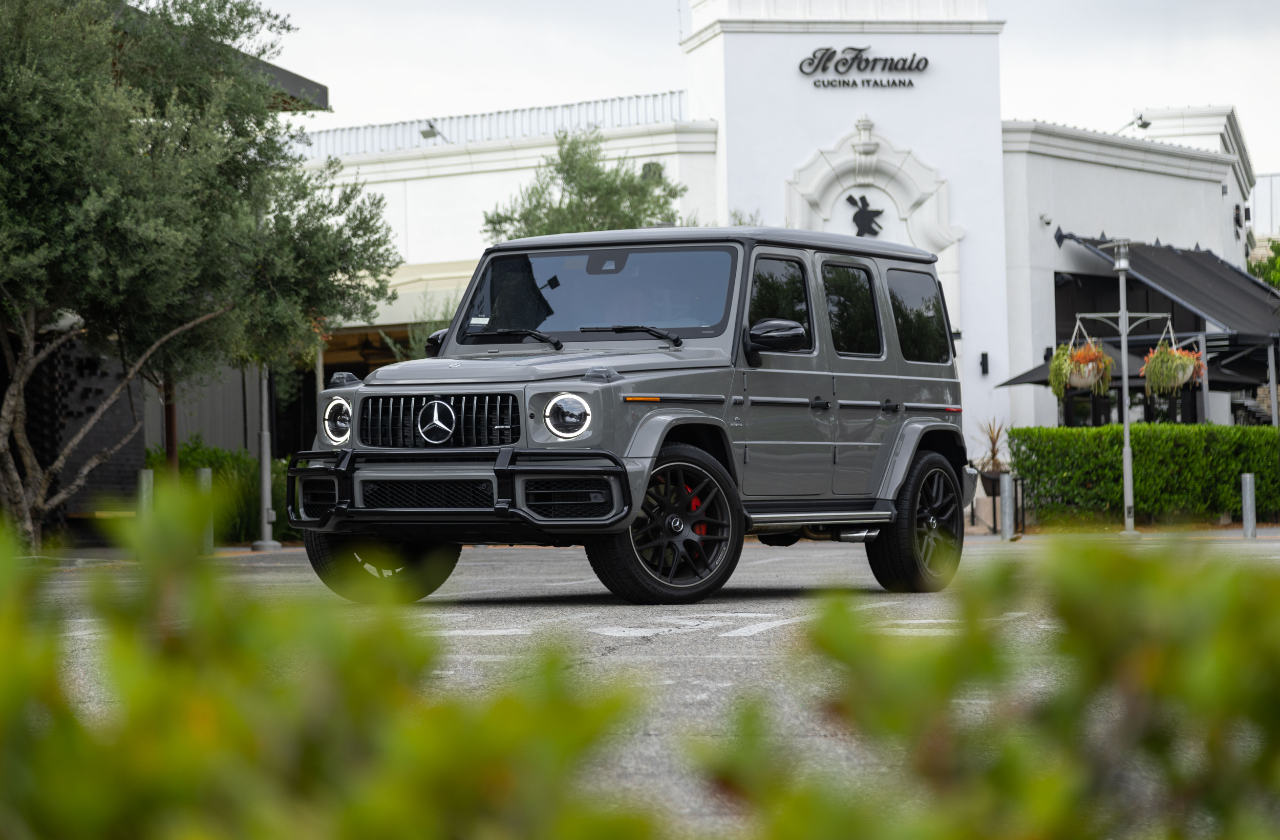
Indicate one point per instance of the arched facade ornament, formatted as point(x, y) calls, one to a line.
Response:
point(865, 159)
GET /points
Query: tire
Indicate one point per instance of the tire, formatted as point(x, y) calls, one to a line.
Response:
point(920, 551)
point(690, 489)
point(372, 570)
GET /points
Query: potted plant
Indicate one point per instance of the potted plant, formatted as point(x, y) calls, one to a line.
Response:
point(991, 464)
point(1083, 366)
point(1167, 368)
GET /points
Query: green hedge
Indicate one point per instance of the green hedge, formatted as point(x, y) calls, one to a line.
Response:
point(1177, 470)
point(235, 478)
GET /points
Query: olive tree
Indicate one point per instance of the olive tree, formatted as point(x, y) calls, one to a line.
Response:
point(576, 190)
point(152, 205)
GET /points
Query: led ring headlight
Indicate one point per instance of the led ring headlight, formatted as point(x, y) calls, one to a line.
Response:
point(567, 416)
point(337, 420)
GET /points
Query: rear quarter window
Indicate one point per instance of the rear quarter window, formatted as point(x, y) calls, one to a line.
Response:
point(920, 316)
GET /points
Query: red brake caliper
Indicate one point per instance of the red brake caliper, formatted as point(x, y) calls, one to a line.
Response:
point(701, 528)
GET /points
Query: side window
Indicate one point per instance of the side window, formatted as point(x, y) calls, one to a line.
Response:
point(851, 309)
point(919, 314)
point(778, 291)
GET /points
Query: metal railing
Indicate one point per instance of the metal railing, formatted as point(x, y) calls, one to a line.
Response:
point(604, 114)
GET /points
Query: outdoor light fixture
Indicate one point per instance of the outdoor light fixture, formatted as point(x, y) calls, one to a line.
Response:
point(431, 131)
point(1137, 120)
point(337, 421)
point(567, 416)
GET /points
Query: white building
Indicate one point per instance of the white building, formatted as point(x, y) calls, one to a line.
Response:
point(795, 107)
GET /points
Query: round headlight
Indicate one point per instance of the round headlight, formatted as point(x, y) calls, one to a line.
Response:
point(337, 420)
point(567, 416)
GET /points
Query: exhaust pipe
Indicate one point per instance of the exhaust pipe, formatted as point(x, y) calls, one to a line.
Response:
point(863, 535)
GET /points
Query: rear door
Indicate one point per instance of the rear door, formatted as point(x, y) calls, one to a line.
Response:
point(864, 374)
point(927, 364)
point(788, 432)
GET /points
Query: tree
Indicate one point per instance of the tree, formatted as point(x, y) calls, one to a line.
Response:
point(575, 190)
point(1268, 270)
point(151, 205)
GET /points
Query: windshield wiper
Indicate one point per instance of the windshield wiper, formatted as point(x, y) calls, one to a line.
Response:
point(653, 331)
point(540, 336)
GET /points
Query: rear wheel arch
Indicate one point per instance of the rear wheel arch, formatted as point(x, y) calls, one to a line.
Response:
point(949, 444)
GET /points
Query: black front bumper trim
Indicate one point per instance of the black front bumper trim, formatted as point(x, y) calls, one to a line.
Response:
point(508, 462)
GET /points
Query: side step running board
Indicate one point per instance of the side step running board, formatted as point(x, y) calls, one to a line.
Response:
point(853, 517)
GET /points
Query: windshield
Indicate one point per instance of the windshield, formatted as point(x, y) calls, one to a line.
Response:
point(684, 291)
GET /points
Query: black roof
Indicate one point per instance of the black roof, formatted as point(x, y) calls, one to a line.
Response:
point(1203, 282)
point(761, 235)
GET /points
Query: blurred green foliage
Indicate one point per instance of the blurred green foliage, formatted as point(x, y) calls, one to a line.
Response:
point(233, 717)
point(1178, 469)
point(1147, 707)
point(1157, 713)
point(235, 480)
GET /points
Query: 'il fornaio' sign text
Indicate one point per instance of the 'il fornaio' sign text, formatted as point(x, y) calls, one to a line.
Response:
point(855, 59)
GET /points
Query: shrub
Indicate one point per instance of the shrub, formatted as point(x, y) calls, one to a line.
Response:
point(237, 716)
point(1157, 714)
point(235, 478)
point(1177, 469)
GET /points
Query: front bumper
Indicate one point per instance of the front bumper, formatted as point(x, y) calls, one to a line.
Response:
point(508, 468)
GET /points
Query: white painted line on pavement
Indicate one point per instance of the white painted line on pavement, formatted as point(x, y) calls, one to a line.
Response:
point(753, 629)
point(761, 562)
point(572, 582)
point(638, 631)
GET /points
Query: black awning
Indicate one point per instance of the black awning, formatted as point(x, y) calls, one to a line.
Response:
point(1220, 379)
point(1209, 286)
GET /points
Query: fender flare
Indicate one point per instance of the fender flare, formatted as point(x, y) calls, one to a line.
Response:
point(904, 452)
point(653, 429)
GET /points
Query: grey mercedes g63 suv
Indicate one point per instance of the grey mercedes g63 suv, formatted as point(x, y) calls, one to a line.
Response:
point(653, 395)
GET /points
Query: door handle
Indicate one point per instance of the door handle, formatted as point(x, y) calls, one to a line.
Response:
point(819, 404)
point(889, 407)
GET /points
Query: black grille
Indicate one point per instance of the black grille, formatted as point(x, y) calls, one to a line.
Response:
point(318, 495)
point(569, 498)
point(479, 420)
point(428, 494)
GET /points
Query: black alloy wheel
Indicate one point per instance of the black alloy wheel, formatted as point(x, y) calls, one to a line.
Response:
point(939, 522)
point(921, 550)
point(371, 569)
point(686, 538)
point(683, 530)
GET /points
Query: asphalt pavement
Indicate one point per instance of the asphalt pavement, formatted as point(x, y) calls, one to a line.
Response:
point(689, 663)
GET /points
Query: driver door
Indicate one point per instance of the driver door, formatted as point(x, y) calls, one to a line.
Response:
point(789, 432)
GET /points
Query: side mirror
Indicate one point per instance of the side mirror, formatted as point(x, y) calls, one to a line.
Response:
point(434, 342)
point(777, 334)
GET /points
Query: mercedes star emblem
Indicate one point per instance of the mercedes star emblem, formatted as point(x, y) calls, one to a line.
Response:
point(436, 421)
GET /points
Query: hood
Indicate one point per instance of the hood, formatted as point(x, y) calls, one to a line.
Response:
point(543, 366)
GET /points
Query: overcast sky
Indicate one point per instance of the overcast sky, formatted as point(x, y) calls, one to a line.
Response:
point(1086, 63)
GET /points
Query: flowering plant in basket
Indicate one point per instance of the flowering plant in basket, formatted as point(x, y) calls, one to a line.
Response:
point(1168, 368)
point(1086, 366)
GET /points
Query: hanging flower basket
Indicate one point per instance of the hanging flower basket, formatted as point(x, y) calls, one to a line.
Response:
point(1085, 366)
point(1168, 368)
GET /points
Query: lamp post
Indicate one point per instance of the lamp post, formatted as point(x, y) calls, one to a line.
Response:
point(267, 515)
point(1121, 247)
